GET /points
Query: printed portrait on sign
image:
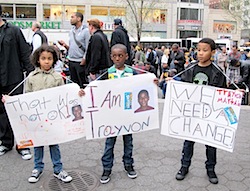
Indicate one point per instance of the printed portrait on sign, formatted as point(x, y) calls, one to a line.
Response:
point(77, 113)
point(143, 99)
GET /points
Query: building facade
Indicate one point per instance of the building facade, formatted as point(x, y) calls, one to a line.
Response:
point(165, 19)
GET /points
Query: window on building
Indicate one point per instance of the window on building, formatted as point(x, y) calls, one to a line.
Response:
point(59, 13)
point(26, 11)
point(46, 12)
point(189, 14)
point(7, 11)
point(53, 12)
point(81, 9)
point(69, 10)
point(154, 15)
point(190, 1)
point(103, 11)
point(187, 34)
point(117, 11)
point(56, 12)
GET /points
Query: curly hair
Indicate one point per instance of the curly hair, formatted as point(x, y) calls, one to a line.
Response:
point(44, 48)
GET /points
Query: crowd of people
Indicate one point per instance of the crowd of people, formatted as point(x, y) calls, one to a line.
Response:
point(90, 56)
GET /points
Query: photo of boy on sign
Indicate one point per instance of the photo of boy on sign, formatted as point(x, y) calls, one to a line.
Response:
point(77, 112)
point(143, 98)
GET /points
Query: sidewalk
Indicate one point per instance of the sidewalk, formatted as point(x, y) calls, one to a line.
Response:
point(157, 160)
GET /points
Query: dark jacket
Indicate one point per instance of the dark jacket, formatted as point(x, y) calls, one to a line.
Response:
point(180, 58)
point(14, 55)
point(42, 35)
point(120, 36)
point(98, 54)
point(217, 78)
point(245, 72)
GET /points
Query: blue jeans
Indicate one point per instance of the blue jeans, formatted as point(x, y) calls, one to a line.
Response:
point(164, 88)
point(55, 157)
point(108, 156)
point(187, 153)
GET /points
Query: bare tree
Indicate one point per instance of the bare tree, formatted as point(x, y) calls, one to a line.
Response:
point(138, 12)
point(238, 9)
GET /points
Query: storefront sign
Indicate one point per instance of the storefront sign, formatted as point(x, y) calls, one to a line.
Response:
point(190, 22)
point(45, 24)
point(108, 26)
point(225, 27)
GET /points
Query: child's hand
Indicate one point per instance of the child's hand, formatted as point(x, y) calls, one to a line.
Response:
point(4, 97)
point(168, 79)
point(241, 90)
point(81, 92)
point(156, 81)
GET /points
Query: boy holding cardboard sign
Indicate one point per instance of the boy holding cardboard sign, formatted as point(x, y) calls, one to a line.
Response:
point(118, 55)
point(206, 73)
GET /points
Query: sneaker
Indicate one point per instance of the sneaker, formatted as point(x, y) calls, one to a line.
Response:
point(181, 173)
point(63, 176)
point(212, 177)
point(26, 154)
point(130, 171)
point(3, 150)
point(105, 176)
point(36, 174)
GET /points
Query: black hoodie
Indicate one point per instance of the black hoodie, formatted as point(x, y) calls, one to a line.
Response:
point(120, 36)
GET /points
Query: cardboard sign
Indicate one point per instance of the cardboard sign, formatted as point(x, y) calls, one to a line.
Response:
point(46, 117)
point(121, 106)
point(203, 114)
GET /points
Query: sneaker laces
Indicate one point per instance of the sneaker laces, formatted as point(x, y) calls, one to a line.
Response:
point(106, 173)
point(129, 168)
point(35, 172)
point(2, 148)
point(25, 152)
point(63, 173)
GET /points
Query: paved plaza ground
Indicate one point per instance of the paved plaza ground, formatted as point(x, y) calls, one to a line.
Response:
point(157, 160)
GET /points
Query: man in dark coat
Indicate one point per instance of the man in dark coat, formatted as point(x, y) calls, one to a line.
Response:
point(120, 36)
point(14, 60)
point(98, 54)
point(176, 59)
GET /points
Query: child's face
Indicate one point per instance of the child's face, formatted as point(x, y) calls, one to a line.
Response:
point(147, 67)
point(143, 99)
point(77, 111)
point(118, 56)
point(204, 53)
point(164, 65)
point(46, 60)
